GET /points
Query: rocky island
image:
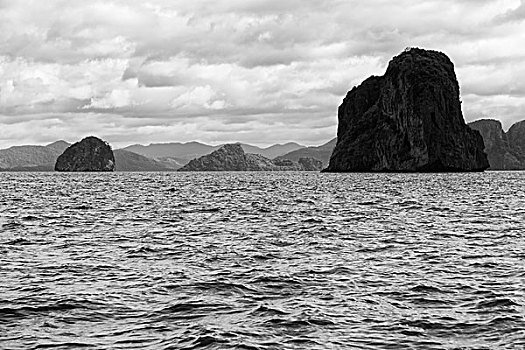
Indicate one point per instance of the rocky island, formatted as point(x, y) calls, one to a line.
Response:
point(408, 120)
point(90, 154)
point(231, 157)
point(506, 151)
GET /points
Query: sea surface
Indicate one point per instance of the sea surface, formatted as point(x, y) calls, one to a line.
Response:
point(262, 261)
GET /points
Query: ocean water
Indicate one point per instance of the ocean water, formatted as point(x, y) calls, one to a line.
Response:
point(262, 261)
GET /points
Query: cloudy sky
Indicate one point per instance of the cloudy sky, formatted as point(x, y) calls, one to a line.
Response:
point(258, 71)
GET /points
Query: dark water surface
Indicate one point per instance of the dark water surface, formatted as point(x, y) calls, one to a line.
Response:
point(262, 261)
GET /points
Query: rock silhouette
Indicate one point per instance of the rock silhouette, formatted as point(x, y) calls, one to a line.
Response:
point(90, 154)
point(408, 120)
point(231, 157)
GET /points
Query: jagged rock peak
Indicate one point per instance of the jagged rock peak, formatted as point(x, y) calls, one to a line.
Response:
point(408, 120)
point(503, 150)
point(90, 154)
point(516, 135)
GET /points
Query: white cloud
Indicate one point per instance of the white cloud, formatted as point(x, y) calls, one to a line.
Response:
point(277, 70)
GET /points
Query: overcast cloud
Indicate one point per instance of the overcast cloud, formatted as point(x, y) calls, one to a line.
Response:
point(258, 71)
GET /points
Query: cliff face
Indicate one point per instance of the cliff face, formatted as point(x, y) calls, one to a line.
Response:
point(506, 151)
point(501, 154)
point(90, 154)
point(410, 119)
point(233, 158)
point(516, 136)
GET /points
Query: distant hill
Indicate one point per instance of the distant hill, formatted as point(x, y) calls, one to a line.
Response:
point(321, 153)
point(272, 151)
point(232, 157)
point(36, 158)
point(181, 153)
point(154, 157)
point(43, 158)
point(129, 161)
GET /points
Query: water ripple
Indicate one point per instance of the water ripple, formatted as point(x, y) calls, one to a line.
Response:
point(262, 261)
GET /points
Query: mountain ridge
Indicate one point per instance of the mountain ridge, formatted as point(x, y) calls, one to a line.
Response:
point(43, 157)
point(322, 152)
point(190, 150)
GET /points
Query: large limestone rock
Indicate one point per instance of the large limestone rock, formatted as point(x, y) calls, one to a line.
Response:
point(410, 119)
point(90, 154)
point(232, 157)
point(502, 154)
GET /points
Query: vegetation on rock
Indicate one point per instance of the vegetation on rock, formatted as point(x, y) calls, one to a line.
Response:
point(90, 154)
point(410, 119)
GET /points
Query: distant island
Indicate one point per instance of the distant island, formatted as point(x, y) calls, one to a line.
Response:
point(506, 151)
point(233, 158)
point(89, 154)
point(155, 157)
point(408, 120)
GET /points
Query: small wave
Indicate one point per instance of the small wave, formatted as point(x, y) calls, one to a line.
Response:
point(266, 310)
point(339, 270)
point(11, 225)
point(505, 320)
point(268, 256)
point(376, 249)
point(496, 303)
point(189, 307)
point(275, 280)
point(288, 323)
point(367, 203)
point(304, 201)
point(24, 311)
point(423, 324)
point(223, 286)
point(209, 210)
point(18, 241)
point(204, 341)
point(80, 207)
point(140, 251)
point(64, 345)
point(425, 289)
point(30, 218)
point(313, 221)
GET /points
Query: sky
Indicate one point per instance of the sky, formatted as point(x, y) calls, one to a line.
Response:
point(255, 71)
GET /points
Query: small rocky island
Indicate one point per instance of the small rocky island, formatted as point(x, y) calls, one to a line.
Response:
point(231, 157)
point(90, 154)
point(408, 120)
point(505, 150)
